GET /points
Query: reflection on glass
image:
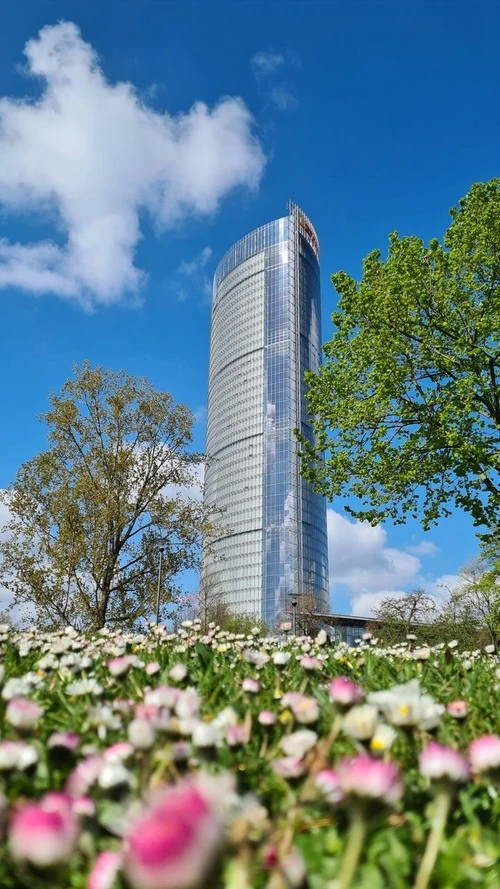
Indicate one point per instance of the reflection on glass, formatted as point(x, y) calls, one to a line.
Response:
point(266, 329)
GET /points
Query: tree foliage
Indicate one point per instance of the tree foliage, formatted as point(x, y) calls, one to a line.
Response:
point(410, 614)
point(88, 515)
point(407, 403)
point(468, 616)
point(407, 610)
point(307, 611)
point(209, 607)
point(476, 599)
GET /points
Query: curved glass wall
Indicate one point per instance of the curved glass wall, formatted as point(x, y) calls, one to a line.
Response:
point(265, 333)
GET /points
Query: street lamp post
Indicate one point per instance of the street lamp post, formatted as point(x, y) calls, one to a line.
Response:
point(158, 589)
point(294, 616)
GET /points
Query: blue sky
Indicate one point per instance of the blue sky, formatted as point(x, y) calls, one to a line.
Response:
point(117, 202)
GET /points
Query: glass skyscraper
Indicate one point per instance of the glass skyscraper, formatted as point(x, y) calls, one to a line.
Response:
point(265, 332)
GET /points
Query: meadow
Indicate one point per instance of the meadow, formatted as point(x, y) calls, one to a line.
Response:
point(207, 759)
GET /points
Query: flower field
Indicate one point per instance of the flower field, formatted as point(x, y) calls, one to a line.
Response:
point(172, 761)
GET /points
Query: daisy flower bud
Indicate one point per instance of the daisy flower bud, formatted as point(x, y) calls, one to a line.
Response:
point(368, 778)
point(119, 752)
point(305, 710)
point(281, 658)
point(113, 775)
point(298, 743)
point(345, 692)
point(440, 763)
point(327, 783)
point(178, 672)
point(457, 709)
point(251, 686)
point(360, 722)
point(321, 638)
point(289, 767)
point(422, 654)
point(173, 844)
point(84, 775)
point(236, 735)
point(118, 666)
point(141, 734)
point(484, 754)
point(23, 714)
point(84, 807)
point(17, 756)
point(204, 734)
point(63, 742)
point(187, 704)
point(43, 834)
point(266, 717)
point(294, 869)
point(310, 663)
point(104, 870)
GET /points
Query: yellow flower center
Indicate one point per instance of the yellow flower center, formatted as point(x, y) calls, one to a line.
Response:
point(404, 709)
point(377, 744)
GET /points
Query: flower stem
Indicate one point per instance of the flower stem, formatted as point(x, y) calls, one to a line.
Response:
point(442, 802)
point(354, 846)
point(323, 749)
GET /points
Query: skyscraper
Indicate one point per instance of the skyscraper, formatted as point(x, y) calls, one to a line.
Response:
point(265, 332)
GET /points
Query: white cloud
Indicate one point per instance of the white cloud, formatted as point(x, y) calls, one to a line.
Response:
point(282, 97)
point(188, 492)
point(364, 566)
point(4, 518)
point(360, 559)
point(267, 68)
point(440, 589)
point(200, 414)
point(90, 156)
point(266, 63)
point(191, 277)
point(192, 269)
point(366, 604)
point(424, 548)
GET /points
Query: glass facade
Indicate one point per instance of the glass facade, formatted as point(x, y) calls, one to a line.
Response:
point(266, 331)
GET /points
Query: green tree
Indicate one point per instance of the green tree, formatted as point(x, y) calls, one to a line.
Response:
point(88, 515)
point(207, 605)
point(476, 599)
point(411, 613)
point(407, 403)
point(418, 616)
point(307, 610)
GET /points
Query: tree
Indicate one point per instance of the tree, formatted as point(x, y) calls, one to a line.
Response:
point(307, 610)
point(475, 601)
point(208, 605)
point(408, 400)
point(89, 514)
point(467, 617)
point(243, 623)
point(399, 616)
